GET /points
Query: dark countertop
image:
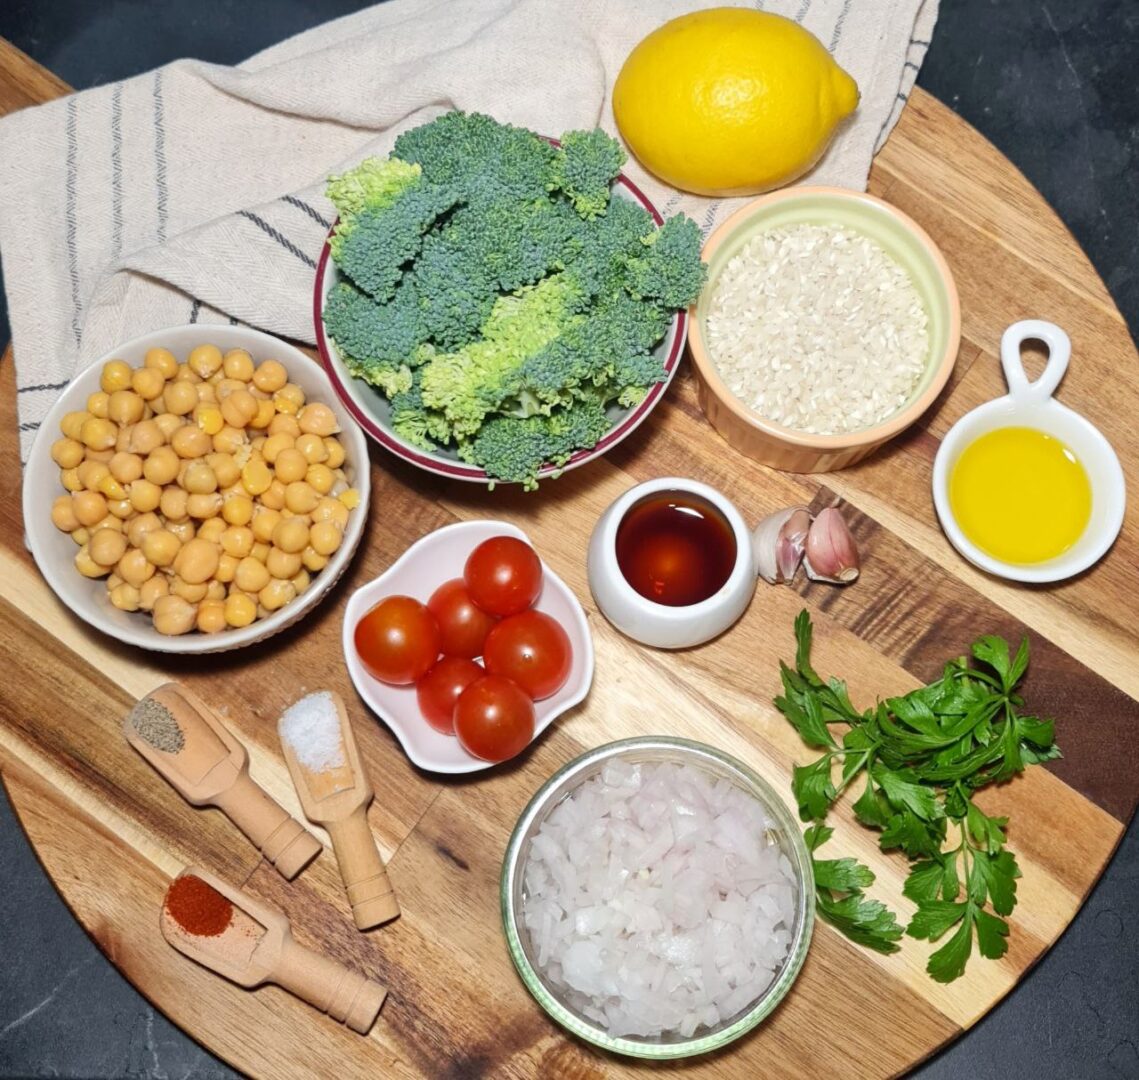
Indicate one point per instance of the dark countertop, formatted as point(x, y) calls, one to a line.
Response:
point(1053, 86)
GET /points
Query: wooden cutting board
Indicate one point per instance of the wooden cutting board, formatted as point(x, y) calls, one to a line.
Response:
point(111, 833)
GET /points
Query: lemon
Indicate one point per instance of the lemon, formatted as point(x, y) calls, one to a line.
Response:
point(730, 101)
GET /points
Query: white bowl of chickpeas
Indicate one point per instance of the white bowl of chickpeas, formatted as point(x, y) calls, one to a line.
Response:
point(196, 490)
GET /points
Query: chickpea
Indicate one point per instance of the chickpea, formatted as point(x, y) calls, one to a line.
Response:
point(301, 582)
point(125, 597)
point(301, 498)
point(87, 566)
point(168, 423)
point(227, 567)
point(282, 564)
point(180, 398)
point(98, 434)
point(113, 581)
point(92, 473)
point(133, 568)
point(190, 442)
point(69, 478)
point(239, 408)
point(209, 418)
point(215, 590)
point(284, 424)
point(196, 561)
point(63, 514)
point(138, 527)
point(145, 496)
point(291, 535)
point(320, 478)
point(240, 610)
point(116, 375)
point(162, 360)
point(148, 383)
point(251, 576)
point(67, 453)
point(102, 456)
point(123, 439)
point(325, 537)
point(211, 529)
point(173, 503)
point(174, 615)
point(72, 423)
point(312, 559)
point(229, 440)
point(125, 468)
point(151, 590)
point(146, 437)
point(329, 509)
point(237, 509)
point(238, 364)
point(237, 541)
point(125, 407)
point(81, 535)
point(110, 487)
point(274, 445)
point(195, 594)
point(161, 465)
point(207, 393)
point(211, 616)
point(204, 360)
point(89, 507)
point(335, 453)
point(317, 418)
point(265, 414)
point(120, 509)
point(312, 449)
point(290, 465)
point(107, 547)
point(183, 530)
point(260, 551)
point(264, 524)
point(256, 477)
point(187, 374)
point(270, 376)
point(225, 469)
point(204, 506)
point(98, 403)
point(160, 546)
point(274, 497)
point(350, 498)
point(200, 479)
point(276, 595)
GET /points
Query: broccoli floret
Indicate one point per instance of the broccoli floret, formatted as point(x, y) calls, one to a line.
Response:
point(669, 269)
point(514, 449)
point(377, 341)
point(606, 244)
point(374, 182)
point(585, 166)
point(412, 421)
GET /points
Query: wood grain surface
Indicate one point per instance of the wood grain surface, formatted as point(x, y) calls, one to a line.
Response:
point(111, 833)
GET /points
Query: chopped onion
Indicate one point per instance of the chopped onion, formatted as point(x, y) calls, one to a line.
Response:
point(657, 901)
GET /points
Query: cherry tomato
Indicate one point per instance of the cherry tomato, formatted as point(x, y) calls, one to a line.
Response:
point(398, 640)
point(503, 575)
point(533, 650)
point(463, 625)
point(494, 719)
point(439, 689)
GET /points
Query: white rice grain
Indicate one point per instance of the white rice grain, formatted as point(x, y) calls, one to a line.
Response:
point(818, 329)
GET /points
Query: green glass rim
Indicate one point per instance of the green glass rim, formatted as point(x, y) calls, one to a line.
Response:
point(787, 832)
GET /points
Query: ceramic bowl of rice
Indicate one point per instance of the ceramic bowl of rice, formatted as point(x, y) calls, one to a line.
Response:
point(830, 322)
point(657, 898)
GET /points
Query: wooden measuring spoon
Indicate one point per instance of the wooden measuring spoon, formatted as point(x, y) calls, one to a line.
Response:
point(185, 741)
point(337, 797)
point(257, 946)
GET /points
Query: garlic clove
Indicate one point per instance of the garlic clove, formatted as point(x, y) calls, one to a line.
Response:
point(778, 543)
point(831, 553)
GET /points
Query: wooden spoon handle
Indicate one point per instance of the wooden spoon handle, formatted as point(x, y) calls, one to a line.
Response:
point(281, 839)
point(344, 994)
point(365, 877)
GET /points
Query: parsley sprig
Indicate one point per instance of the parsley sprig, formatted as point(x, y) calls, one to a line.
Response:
point(917, 761)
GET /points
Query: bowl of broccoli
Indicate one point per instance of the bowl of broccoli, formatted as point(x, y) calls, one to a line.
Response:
point(499, 307)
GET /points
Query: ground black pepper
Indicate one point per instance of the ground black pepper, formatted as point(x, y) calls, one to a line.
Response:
point(156, 724)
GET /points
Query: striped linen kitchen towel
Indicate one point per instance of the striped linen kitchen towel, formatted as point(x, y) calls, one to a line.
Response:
point(194, 193)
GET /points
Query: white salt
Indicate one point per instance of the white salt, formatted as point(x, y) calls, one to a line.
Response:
point(311, 727)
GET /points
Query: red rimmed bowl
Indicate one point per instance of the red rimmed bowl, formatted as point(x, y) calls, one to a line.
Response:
point(372, 411)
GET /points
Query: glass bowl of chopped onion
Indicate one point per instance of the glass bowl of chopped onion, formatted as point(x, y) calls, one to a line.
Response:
point(829, 323)
point(657, 898)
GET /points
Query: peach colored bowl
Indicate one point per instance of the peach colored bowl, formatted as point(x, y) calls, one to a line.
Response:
point(907, 243)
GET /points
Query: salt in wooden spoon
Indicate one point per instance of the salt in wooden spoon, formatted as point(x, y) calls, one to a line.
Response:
point(252, 943)
point(324, 763)
point(185, 741)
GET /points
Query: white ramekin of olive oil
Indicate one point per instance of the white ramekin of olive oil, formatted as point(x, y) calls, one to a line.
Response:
point(1024, 487)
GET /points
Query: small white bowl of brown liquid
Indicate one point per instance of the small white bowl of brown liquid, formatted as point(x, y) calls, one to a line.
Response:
point(1026, 488)
point(672, 562)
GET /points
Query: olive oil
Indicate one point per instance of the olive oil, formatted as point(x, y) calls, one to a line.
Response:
point(1020, 495)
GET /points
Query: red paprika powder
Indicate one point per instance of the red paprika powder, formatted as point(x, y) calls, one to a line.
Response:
point(197, 907)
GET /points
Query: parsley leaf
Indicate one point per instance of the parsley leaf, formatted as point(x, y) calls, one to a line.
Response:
point(948, 962)
point(813, 789)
